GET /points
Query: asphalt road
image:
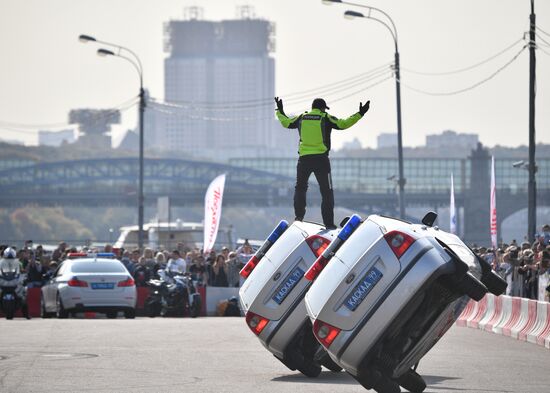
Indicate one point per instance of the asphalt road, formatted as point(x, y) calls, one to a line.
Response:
point(222, 355)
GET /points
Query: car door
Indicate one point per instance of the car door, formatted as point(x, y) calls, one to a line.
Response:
point(50, 292)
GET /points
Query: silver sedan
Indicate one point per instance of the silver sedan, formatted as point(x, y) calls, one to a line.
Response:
point(89, 284)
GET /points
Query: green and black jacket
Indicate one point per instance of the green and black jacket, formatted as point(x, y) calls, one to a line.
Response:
point(315, 127)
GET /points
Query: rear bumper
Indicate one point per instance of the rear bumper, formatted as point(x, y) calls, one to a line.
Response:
point(100, 309)
point(73, 298)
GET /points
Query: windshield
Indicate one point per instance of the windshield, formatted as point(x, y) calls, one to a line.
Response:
point(98, 267)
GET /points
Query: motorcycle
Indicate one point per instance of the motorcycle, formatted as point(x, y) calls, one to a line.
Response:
point(13, 294)
point(172, 295)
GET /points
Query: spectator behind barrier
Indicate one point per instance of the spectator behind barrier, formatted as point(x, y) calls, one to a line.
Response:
point(219, 272)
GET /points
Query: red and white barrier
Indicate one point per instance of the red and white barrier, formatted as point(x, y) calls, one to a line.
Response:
point(540, 323)
point(515, 318)
point(522, 319)
point(480, 312)
point(469, 311)
point(506, 314)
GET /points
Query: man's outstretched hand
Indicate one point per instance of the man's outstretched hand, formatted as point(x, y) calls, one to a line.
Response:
point(279, 102)
point(362, 108)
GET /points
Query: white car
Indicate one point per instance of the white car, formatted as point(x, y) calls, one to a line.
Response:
point(90, 283)
point(389, 291)
point(273, 295)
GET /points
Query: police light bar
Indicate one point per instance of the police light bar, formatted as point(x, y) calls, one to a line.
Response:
point(74, 255)
point(271, 239)
point(352, 224)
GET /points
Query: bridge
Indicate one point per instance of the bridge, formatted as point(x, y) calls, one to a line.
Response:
point(113, 182)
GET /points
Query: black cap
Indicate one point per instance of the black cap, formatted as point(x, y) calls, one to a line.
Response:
point(319, 103)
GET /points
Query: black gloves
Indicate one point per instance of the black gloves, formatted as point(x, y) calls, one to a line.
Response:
point(279, 102)
point(362, 108)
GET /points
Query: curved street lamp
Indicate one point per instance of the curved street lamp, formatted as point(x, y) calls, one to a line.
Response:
point(393, 30)
point(136, 63)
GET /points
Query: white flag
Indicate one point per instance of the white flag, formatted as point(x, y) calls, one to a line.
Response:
point(493, 216)
point(212, 212)
point(452, 207)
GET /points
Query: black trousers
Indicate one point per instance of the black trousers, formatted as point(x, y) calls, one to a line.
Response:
point(320, 166)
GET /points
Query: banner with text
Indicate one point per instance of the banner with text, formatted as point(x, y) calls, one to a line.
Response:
point(213, 211)
point(493, 206)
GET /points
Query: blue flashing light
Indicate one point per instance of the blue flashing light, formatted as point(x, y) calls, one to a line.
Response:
point(104, 255)
point(350, 226)
point(278, 231)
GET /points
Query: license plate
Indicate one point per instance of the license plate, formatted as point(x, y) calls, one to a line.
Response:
point(103, 285)
point(362, 289)
point(288, 285)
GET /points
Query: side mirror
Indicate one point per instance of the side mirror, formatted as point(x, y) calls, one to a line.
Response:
point(429, 219)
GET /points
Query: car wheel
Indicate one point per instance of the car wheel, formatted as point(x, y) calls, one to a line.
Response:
point(61, 313)
point(386, 385)
point(112, 314)
point(411, 381)
point(43, 312)
point(331, 365)
point(310, 370)
point(494, 283)
point(469, 285)
point(130, 314)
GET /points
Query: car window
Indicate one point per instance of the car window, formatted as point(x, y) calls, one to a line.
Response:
point(61, 269)
point(98, 267)
point(463, 252)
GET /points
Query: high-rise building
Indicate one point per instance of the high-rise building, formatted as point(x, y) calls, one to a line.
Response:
point(219, 86)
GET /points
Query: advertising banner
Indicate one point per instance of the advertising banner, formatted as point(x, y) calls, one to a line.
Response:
point(213, 211)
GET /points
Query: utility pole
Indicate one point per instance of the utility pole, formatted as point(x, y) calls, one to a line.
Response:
point(532, 185)
point(140, 192)
point(401, 180)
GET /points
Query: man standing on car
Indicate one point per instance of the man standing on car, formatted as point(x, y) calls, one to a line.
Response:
point(314, 128)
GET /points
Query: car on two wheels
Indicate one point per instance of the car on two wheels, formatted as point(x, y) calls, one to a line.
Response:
point(389, 293)
point(379, 296)
point(94, 283)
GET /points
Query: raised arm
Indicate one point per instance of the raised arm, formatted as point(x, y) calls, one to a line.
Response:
point(286, 122)
point(342, 124)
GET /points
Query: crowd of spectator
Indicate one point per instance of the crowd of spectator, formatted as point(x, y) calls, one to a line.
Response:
point(521, 265)
point(218, 268)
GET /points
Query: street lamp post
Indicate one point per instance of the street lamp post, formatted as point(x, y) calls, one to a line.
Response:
point(134, 60)
point(392, 29)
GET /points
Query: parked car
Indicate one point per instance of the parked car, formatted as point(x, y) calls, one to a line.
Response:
point(92, 282)
point(273, 295)
point(390, 290)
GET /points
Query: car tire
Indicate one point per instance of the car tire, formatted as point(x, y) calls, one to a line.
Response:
point(411, 381)
point(43, 312)
point(61, 313)
point(469, 285)
point(310, 370)
point(330, 364)
point(111, 314)
point(386, 385)
point(130, 314)
point(494, 283)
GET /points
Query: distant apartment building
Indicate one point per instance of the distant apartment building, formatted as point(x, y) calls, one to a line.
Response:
point(452, 138)
point(386, 140)
point(55, 138)
point(219, 87)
